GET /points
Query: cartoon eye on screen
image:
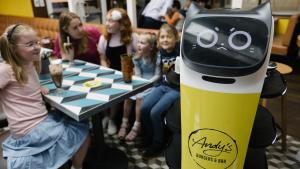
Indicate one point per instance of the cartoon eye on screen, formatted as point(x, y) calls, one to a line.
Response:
point(238, 40)
point(227, 41)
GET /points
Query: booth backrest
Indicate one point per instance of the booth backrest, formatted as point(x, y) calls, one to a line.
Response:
point(282, 43)
point(47, 27)
point(294, 19)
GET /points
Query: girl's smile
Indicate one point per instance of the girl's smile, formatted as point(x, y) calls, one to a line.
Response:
point(29, 47)
point(167, 41)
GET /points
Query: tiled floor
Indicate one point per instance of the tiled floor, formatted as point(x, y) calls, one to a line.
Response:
point(279, 160)
point(276, 159)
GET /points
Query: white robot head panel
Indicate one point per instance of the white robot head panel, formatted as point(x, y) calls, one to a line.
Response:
point(227, 43)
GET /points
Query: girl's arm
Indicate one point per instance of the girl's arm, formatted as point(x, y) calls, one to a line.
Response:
point(157, 73)
point(69, 55)
point(44, 90)
point(6, 75)
point(137, 66)
point(103, 60)
point(101, 49)
point(134, 42)
point(173, 20)
point(59, 53)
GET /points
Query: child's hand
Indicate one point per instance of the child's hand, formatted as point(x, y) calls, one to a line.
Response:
point(44, 90)
point(68, 47)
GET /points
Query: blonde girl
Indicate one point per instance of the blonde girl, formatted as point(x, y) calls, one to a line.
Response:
point(39, 139)
point(155, 104)
point(76, 41)
point(146, 65)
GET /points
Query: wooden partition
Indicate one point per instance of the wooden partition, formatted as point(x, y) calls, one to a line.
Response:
point(48, 27)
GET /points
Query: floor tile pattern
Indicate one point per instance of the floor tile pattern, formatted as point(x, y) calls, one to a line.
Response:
point(276, 159)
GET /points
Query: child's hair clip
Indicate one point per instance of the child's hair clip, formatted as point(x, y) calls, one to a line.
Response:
point(116, 15)
point(11, 31)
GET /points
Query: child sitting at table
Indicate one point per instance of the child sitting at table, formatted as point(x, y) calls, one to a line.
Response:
point(39, 139)
point(76, 41)
point(148, 66)
point(117, 39)
point(161, 97)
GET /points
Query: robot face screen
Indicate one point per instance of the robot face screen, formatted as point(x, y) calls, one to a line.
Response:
point(234, 42)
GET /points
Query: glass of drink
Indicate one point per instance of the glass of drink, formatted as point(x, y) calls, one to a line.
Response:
point(165, 67)
point(56, 72)
point(127, 67)
point(46, 43)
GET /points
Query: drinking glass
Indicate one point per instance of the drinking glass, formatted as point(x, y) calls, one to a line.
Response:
point(127, 67)
point(56, 72)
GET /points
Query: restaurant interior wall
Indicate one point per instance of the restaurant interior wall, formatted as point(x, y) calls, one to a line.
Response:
point(16, 8)
point(277, 5)
point(285, 5)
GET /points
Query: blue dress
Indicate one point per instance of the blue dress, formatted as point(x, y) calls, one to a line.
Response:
point(48, 145)
point(147, 70)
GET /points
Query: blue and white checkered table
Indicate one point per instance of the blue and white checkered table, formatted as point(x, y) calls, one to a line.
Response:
point(80, 102)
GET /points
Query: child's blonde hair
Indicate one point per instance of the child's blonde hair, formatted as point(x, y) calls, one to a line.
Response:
point(153, 43)
point(8, 41)
point(171, 30)
point(125, 26)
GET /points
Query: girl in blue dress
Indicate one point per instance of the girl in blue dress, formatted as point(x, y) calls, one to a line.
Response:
point(147, 64)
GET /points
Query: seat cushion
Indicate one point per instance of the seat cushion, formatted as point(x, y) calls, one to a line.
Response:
point(278, 47)
point(274, 85)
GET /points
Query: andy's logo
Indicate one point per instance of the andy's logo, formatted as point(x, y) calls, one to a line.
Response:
point(211, 148)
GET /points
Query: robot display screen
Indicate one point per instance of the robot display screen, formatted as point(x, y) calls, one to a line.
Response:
point(227, 42)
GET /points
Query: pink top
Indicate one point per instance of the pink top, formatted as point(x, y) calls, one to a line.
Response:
point(22, 104)
point(91, 55)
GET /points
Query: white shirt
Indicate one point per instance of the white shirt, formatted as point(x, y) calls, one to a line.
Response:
point(155, 9)
point(116, 41)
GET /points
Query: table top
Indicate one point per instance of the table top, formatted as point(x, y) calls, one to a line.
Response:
point(283, 68)
point(80, 101)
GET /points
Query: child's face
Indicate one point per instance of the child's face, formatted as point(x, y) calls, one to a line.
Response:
point(143, 46)
point(75, 29)
point(28, 47)
point(166, 41)
point(111, 25)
